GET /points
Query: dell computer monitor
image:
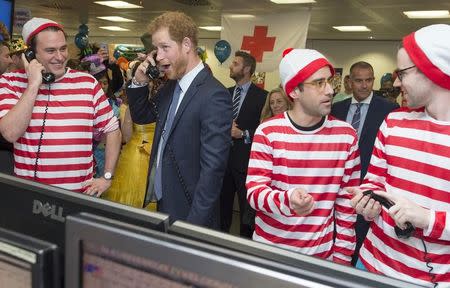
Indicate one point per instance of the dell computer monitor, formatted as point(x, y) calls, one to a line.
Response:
point(40, 210)
point(26, 262)
point(106, 253)
point(329, 272)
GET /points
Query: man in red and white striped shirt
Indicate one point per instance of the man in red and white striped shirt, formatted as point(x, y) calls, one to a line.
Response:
point(300, 162)
point(410, 166)
point(52, 124)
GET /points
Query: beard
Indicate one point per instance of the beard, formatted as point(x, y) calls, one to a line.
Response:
point(177, 69)
point(236, 76)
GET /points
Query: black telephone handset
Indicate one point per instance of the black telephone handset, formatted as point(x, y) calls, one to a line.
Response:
point(401, 233)
point(47, 77)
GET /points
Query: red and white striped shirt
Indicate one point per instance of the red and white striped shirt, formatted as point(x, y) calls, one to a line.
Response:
point(323, 162)
point(77, 108)
point(411, 158)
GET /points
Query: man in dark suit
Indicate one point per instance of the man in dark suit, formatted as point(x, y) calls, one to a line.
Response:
point(365, 110)
point(248, 101)
point(192, 135)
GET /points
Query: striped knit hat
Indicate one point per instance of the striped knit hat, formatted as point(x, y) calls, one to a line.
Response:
point(35, 25)
point(299, 64)
point(429, 50)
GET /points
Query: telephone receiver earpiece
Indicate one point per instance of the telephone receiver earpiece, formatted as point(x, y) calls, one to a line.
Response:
point(47, 77)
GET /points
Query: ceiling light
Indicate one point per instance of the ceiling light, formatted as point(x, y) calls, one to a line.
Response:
point(113, 28)
point(352, 28)
point(241, 16)
point(118, 4)
point(211, 28)
point(292, 1)
point(116, 19)
point(427, 14)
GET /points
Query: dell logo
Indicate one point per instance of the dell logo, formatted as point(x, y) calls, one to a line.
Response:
point(55, 213)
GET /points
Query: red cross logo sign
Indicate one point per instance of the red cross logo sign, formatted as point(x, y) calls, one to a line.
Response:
point(258, 43)
point(266, 36)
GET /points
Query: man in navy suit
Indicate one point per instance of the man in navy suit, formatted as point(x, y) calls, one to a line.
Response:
point(192, 113)
point(365, 110)
point(248, 101)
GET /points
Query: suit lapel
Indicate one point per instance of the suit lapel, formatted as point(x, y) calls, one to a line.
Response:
point(188, 96)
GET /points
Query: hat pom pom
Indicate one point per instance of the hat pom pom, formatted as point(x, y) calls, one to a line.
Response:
point(287, 50)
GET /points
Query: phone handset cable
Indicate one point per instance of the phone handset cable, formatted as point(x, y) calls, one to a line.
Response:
point(42, 134)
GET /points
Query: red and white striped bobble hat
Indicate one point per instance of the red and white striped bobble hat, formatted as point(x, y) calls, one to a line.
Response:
point(36, 25)
point(297, 65)
point(429, 50)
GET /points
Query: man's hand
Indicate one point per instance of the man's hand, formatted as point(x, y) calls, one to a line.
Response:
point(97, 186)
point(140, 74)
point(301, 202)
point(364, 205)
point(405, 210)
point(235, 131)
point(34, 71)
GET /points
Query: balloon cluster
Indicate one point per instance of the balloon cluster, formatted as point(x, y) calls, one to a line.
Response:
point(82, 40)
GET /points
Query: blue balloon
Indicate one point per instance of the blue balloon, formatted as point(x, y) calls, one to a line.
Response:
point(81, 40)
point(222, 50)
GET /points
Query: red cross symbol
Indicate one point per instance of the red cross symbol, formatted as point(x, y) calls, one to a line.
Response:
point(258, 43)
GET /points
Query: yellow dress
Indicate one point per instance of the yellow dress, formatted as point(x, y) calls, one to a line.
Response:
point(130, 178)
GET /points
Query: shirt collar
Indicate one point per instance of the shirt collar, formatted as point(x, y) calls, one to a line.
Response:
point(187, 79)
point(245, 87)
point(365, 101)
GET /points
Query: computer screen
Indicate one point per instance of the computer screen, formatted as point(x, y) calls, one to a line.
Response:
point(107, 253)
point(40, 210)
point(310, 267)
point(26, 262)
point(7, 14)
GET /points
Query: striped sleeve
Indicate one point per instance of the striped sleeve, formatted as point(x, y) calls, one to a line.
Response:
point(8, 97)
point(260, 194)
point(375, 178)
point(104, 119)
point(345, 242)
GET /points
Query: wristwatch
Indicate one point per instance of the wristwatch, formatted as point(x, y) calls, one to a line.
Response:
point(108, 176)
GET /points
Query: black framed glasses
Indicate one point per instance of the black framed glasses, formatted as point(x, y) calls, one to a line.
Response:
point(401, 72)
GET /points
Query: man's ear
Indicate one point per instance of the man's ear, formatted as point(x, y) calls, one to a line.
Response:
point(296, 93)
point(186, 44)
point(247, 70)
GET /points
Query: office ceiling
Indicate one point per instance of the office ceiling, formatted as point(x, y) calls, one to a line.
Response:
point(383, 17)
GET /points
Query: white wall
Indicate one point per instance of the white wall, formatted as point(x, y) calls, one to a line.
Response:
point(380, 54)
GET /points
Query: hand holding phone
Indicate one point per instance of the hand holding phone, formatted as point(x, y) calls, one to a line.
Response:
point(401, 233)
point(103, 51)
point(47, 77)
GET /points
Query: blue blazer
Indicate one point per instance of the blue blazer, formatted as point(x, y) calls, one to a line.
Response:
point(379, 108)
point(200, 140)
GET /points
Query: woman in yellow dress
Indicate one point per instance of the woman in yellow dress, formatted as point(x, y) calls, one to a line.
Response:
point(130, 180)
point(129, 185)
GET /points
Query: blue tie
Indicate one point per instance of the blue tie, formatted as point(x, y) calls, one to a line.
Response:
point(357, 117)
point(163, 142)
point(236, 101)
